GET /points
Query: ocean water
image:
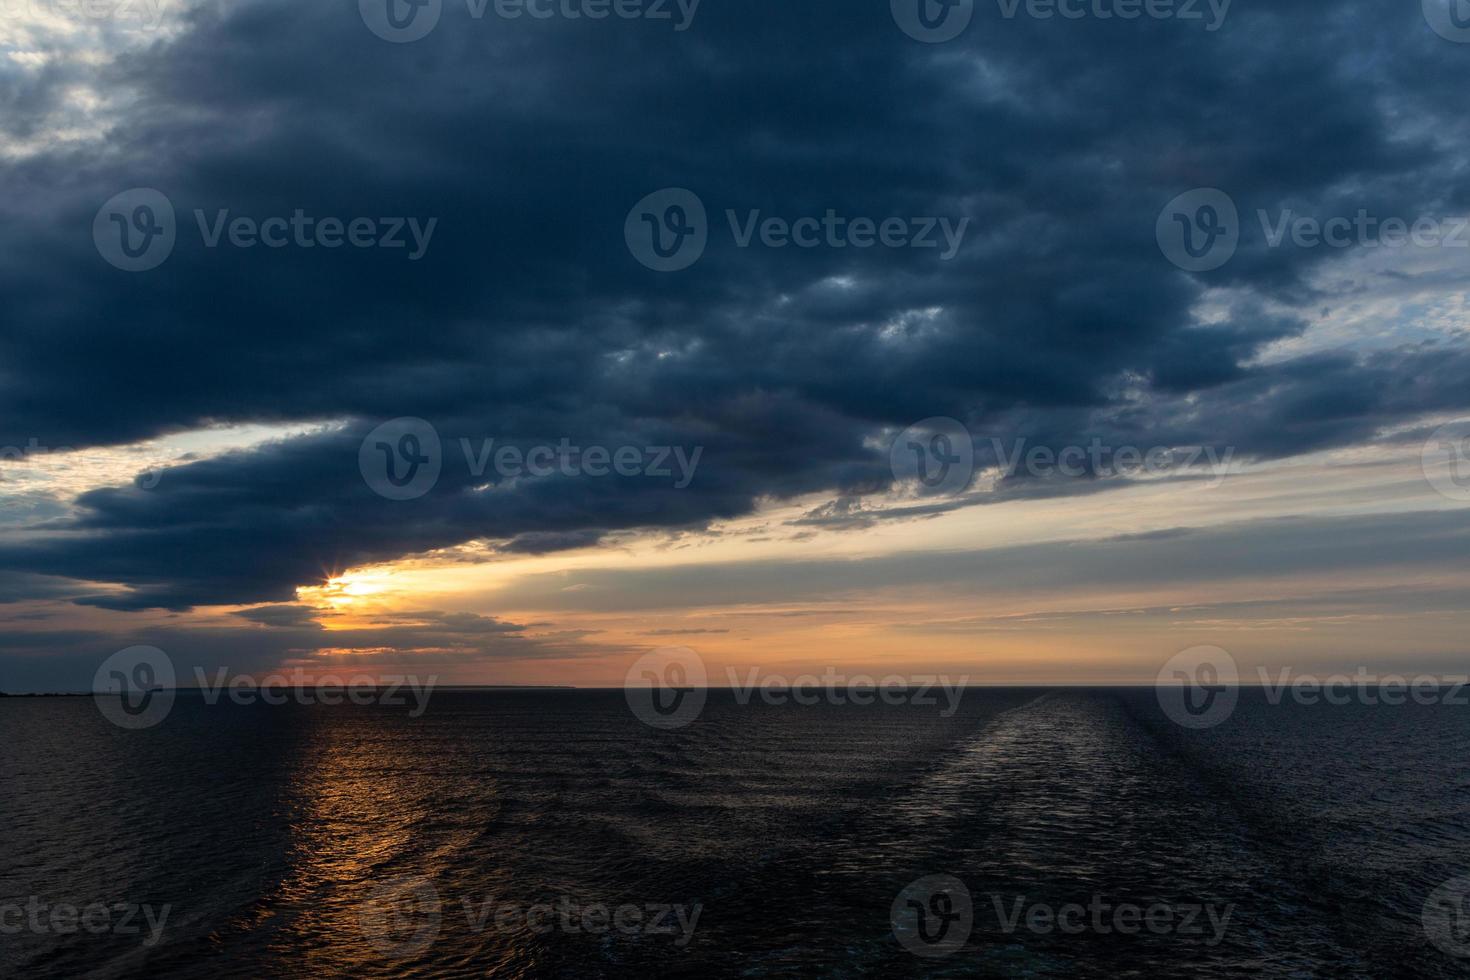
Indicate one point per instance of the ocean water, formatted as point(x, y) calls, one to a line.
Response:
point(550, 833)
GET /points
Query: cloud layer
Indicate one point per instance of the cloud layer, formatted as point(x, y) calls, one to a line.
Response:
point(528, 320)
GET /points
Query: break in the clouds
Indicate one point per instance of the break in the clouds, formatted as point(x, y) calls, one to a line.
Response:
point(506, 153)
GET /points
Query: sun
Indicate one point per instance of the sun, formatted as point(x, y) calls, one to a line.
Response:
point(345, 589)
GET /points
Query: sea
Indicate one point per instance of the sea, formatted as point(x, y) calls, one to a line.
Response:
point(551, 833)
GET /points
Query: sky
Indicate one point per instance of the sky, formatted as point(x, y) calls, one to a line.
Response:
point(507, 342)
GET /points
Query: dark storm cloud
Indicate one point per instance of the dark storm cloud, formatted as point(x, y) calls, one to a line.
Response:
point(282, 615)
point(19, 587)
point(527, 319)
